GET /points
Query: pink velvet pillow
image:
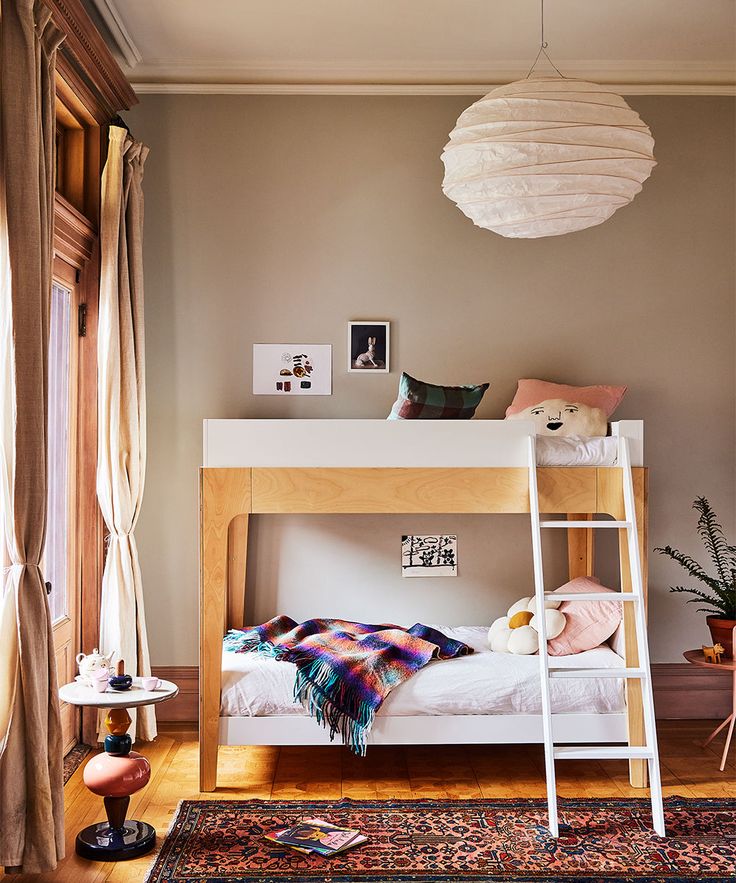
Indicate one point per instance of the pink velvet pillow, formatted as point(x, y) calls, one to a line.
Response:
point(532, 392)
point(589, 623)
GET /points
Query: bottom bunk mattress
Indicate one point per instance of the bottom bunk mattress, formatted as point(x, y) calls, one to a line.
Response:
point(482, 683)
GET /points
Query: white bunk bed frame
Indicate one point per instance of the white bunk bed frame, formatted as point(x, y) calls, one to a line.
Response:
point(252, 467)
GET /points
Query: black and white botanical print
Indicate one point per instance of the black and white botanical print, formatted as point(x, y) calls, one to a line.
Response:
point(434, 555)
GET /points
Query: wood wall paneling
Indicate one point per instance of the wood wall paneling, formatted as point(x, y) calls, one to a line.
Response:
point(681, 692)
point(687, 692)
point(185, 706)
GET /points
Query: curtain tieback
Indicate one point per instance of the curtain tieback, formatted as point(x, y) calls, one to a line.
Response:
point(6, 570)
point(118, 535)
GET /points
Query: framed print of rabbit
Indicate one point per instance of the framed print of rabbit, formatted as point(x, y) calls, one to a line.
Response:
point(368, 346)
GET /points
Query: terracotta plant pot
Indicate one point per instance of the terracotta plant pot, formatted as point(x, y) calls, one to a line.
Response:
point(721, 631)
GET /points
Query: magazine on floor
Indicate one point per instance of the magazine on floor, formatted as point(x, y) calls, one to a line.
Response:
point(317, 835)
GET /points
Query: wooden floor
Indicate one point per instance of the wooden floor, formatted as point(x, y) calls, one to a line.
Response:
point(331, 773)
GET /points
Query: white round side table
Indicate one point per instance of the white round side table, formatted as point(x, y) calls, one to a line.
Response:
point(118, 772)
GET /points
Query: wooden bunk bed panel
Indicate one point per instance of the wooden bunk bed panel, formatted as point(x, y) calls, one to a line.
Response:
point(432, 490)
point(381, 443)
point(365, 466)
point(345, 443)
point(464, 729)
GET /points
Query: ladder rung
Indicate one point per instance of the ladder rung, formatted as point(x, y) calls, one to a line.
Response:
point(559, 523)
point(594, 596)
point(597, 673)
point(605, 752)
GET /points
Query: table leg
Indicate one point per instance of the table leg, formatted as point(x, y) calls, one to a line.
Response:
point(728, 743)
point(733, 721)
point(717, 730)
point(115, 775)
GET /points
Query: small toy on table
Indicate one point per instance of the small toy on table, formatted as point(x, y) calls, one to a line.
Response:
point(121, 681)
point(713, 654)
point(94, 665)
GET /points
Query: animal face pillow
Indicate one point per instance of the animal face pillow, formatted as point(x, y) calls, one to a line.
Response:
point(564, 418)
point(563, 410)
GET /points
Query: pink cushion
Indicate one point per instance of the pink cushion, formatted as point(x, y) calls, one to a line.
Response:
point(589, 623)
point(532, 392)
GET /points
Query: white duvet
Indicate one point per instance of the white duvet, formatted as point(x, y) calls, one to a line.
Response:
point(574, 451)
point(482, 683)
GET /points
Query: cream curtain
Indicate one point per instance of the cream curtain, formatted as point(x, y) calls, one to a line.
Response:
point(31, 797)
point(121, 402)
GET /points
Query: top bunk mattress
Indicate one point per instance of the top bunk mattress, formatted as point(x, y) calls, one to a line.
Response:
point(482, 683)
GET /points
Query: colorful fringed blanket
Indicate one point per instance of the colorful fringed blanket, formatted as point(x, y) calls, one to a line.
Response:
point(344, 670)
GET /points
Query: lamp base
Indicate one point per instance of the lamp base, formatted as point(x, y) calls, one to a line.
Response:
point(101, 843)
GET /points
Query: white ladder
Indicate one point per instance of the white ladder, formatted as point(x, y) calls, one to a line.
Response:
point(642, 672)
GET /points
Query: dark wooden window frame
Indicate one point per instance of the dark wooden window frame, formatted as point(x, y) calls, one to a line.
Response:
point(91, 91)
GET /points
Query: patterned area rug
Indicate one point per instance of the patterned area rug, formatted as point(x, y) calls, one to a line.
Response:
point(468, 841)
point(73, 759)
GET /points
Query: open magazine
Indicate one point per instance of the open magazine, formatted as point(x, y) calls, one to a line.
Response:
point(317, 835)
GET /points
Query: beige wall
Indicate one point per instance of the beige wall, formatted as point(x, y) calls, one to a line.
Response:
point(281, 218)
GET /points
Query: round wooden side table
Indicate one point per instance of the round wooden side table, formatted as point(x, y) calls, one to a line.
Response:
point(696, 658)
point(117, 773)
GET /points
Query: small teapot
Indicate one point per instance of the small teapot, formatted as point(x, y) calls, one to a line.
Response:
point(91, 663)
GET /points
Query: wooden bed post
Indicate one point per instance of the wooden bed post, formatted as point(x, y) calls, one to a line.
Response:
point(580, 547)
point(610, 501)
point(224, 494)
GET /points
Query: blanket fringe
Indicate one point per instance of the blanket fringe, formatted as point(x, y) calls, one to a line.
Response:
point(237, 641)
point(337, 687)
point(334, 704)
point(324, 695)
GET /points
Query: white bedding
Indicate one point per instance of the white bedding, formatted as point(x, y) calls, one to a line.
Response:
point(574, 451)
point(482, 683)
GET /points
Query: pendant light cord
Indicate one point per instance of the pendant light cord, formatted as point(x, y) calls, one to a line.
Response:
point(543, 46)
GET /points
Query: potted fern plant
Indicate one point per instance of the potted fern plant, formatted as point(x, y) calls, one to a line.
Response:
point(719, 593)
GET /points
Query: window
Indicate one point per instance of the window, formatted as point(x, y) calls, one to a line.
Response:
point(60, 566)
point(57, 564)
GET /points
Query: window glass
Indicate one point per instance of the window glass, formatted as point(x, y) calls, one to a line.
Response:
point(56, 564)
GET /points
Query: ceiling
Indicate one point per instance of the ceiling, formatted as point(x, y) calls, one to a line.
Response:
point(418, 46)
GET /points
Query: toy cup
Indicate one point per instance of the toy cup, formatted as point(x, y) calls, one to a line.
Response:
point(99, 681)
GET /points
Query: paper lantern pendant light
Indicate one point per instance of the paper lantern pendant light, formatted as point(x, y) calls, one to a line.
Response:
point(546, 156)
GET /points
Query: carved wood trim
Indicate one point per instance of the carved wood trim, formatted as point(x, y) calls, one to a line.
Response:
point(74, 234)
point(87, 65)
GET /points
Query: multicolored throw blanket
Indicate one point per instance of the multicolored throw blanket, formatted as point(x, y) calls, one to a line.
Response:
point(344, 670)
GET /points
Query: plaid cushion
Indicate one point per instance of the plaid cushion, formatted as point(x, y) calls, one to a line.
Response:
point(425, 401)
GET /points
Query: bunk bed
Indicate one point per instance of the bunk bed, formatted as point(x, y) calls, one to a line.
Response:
point(252, 467)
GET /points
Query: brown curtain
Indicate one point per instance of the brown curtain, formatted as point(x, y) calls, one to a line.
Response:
point(31, 795)
point(121, 409)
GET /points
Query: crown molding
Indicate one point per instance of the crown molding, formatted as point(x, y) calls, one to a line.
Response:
point(196, 76)
point(469, 89)
point(440, 70)
point(300, 77)
point(85, 62)
point(119, 33)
